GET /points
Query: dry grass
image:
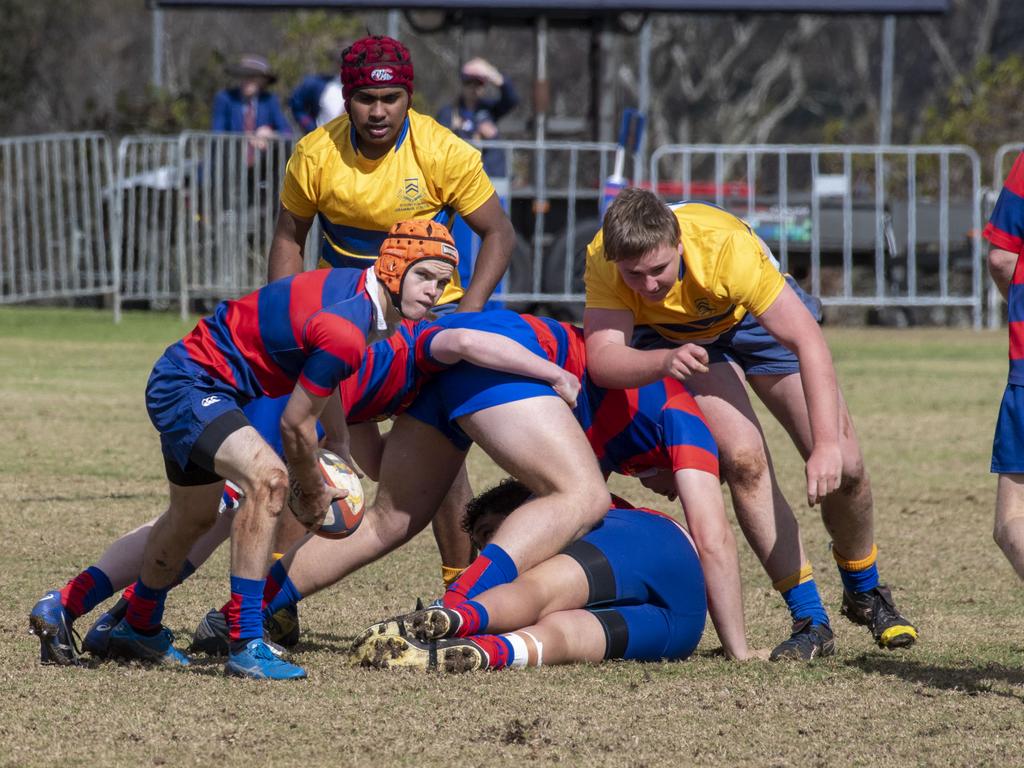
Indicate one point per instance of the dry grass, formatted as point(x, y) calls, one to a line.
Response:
point(79, 465)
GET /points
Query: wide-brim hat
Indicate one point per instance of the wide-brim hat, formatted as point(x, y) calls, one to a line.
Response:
point(251, 65)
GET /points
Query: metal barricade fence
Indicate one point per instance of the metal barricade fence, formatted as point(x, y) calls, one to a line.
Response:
point(553, 196)
point(1001, 165)
point(894, 227)
point(55, 219)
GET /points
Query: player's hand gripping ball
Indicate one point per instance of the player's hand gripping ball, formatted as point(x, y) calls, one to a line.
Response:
point(345, 514)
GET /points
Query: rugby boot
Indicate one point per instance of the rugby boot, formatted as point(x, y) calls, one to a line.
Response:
point(808, 641)
point(97, 638)
point(259, 661)
point(127, 644)
point(392, 651)
point(211, 636)
point(283, 626)
point(876, 610)
point(49, 621)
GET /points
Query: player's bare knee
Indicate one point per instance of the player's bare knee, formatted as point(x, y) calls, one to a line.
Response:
point(268, 488)
point(745, 468)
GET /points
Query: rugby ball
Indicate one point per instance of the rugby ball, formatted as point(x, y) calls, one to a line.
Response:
point(344, 515)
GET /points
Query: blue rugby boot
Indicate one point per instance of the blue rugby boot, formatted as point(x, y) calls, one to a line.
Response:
point(97, 638)
point(259, 661)
point(51, 624)
point(126, 643)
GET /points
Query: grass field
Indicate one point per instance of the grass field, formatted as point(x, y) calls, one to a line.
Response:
point(79, 464)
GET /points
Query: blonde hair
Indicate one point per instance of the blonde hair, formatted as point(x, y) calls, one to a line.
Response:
point(636, 223)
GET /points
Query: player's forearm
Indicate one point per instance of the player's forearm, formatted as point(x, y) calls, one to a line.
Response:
point(492, 350)
point(818, 377)
point(725, 597)
point(491, 264)
point(300, 444)
point(285, 258)
point(616, 366)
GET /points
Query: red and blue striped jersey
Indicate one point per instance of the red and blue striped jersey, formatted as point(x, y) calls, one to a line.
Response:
point(389, 376)
point(1005, 229)
point(309, 328)
point(560, 343)
point(657, 426)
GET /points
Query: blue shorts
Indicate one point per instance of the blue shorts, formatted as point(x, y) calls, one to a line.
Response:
point(1008, 443)
point(646, 585)
point(747, 344)
point(466, 388)
point(194, 413)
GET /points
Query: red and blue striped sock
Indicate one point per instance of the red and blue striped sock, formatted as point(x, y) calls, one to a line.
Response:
point(84, 592)
point(498, 648)
point(279, 591)
point(146, 609)
point(245, 620)
point(187, 569)
point(491, 568)
point(473, 618)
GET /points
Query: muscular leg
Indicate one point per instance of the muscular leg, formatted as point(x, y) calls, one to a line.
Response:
point(568, 637)
point(417, 469)
point(453, 543)
point(556, 585)
point(848, 513)
point(539, 442)
point(1009, 524)
point(762, 511)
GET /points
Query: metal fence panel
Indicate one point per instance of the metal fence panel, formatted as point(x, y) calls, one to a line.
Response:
point(55, 220)
point(868, 226)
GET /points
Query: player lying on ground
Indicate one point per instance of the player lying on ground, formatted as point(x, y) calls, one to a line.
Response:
point(691, 292)
point(657, 432)
point(632, 588)
point(388, 377)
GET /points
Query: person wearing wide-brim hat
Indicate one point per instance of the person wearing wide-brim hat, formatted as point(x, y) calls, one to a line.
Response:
point(249, 107)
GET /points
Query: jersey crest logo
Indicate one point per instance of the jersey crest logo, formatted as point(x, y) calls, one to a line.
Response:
point(208, 401)
point(382, 75)
point(410, 191)
point(704, 307)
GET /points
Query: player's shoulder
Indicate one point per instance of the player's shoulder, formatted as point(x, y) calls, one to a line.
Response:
point(700, 215)
point(329, 138)
point(434, 139)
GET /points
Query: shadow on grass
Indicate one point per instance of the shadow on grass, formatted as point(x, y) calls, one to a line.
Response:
point(323, 641)
point(972, 680)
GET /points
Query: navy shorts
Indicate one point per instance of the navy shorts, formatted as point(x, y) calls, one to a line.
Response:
point(1008, 443)
point(747, 344)
point(194, 413)
point(646, 585)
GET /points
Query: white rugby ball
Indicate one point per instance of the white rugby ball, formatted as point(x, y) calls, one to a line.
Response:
point(345, 514)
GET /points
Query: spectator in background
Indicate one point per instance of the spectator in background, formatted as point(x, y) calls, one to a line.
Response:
point(317, 100)
point(249, 107)
point(474, 117)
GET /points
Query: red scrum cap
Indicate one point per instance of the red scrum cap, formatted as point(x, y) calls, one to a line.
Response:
point(407, 243)
point(375, 62)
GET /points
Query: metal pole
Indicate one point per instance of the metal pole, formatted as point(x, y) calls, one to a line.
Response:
point(885, 101)
point(644, 95)
point(393, 18)
point(158, 48)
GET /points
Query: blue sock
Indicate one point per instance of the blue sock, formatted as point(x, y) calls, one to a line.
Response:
point(491, 568)
point(286, 593)
point(860, 581)
point(245, 620)
point(804, 601)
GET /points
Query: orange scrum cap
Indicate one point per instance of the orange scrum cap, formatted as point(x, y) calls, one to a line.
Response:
point(407, 243)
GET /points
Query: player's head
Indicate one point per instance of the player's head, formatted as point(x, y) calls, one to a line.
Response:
point(485, 513)
point(641, 235)
point(416, 262)
point(376, 82)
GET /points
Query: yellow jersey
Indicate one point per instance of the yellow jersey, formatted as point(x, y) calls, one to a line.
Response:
point(725, 272)
point(429, 174)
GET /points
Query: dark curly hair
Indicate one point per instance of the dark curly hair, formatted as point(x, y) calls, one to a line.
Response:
point(502, 499)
